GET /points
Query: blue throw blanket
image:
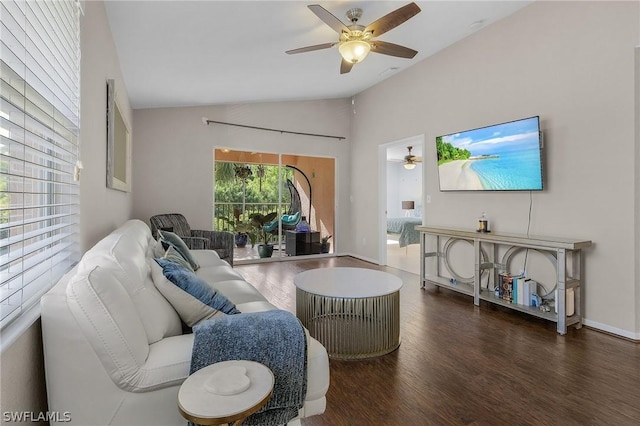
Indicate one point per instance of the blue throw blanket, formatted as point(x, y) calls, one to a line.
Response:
point(273, 338)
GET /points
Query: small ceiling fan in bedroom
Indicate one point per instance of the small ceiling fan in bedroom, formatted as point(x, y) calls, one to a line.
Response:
point(411, 160)
point(356, 41)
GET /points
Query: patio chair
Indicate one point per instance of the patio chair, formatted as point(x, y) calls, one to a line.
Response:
point(220, 241)
point(293, 215)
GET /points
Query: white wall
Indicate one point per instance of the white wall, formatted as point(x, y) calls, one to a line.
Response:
point(173, 152)
point(572, 63)
point(22, 387)
point(101, 209)
point(403, 185)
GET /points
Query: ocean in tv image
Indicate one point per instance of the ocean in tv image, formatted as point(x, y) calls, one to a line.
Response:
point(503, 157)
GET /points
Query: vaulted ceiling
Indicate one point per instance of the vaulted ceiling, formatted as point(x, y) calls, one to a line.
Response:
point(188, 53)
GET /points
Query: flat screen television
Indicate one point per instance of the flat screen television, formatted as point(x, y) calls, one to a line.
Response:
point(502, 157)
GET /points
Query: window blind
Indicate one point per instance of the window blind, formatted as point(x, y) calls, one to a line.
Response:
point(39, 148)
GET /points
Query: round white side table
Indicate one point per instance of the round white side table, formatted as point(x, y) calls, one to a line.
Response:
point(225, 392)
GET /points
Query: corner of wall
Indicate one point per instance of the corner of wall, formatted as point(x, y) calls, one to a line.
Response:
point(637, 185)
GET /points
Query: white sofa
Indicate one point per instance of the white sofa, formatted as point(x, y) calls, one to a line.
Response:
point(114, 349)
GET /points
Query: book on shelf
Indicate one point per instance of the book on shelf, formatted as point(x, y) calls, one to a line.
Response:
point(522, 295)
point(506, 287)
point(526, 293)
point(531, 292)
point(516, 289)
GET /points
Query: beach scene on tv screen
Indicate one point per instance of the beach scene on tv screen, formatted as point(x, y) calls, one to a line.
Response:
point(503, 157)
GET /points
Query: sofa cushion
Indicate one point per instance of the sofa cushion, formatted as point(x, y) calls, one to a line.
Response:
point(125, 252)
point(207, 257)
point(108, 318)
point(222, 272)
point(110, 322)
point(181, 246)
point(199, 292)
point(257, 306)
point(239, 291)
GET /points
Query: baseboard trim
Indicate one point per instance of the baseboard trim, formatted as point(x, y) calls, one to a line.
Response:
point(357, 256)
point(618, 332)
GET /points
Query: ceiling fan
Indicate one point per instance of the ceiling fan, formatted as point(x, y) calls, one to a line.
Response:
point(411, 160)
point(356, 41)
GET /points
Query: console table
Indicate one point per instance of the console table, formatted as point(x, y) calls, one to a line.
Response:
point(567, 254)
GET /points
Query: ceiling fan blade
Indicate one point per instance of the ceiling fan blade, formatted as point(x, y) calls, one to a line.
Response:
point(328, 18)
point(386, 48)
point(393, 19)
point(345, 67)
point(311, 48)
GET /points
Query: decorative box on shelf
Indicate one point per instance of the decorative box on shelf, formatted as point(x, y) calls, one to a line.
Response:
point(301, 243)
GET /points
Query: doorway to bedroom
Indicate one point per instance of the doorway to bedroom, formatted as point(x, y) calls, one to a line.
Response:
point(402, 208)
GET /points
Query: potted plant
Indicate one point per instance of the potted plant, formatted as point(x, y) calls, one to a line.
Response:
point(253, 236)
point(259, 221)
point(325, 245)
point(243, 172)
point(241, 229)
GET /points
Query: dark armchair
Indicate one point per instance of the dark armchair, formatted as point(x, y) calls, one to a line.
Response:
point(220, 241)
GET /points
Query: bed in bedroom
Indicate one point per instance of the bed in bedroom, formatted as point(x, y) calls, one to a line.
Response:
point(404, 227)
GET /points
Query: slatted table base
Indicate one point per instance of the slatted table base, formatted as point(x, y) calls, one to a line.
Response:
point(352, 328)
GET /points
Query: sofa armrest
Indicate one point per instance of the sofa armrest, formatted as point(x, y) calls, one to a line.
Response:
point(196, 243)
point(220, 241)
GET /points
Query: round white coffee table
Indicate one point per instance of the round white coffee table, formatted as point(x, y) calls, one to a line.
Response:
point(353, 312)
point(225, 392)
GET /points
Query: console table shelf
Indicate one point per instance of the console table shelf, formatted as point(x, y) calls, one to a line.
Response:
point(445, 283)
point(565, 253)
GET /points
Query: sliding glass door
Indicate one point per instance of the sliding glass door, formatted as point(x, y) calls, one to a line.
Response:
point(278, 205)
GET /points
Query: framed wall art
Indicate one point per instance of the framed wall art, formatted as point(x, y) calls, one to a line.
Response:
point(118, 143)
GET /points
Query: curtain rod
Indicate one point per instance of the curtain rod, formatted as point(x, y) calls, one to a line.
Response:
point(207, 122)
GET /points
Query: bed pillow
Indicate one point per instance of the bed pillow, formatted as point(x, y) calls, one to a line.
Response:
point(179, 243)
point(194, 300)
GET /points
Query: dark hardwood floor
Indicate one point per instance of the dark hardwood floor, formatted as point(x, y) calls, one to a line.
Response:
point(459, 364)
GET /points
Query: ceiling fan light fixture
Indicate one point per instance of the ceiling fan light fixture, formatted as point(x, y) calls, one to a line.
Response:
point(355, 40)
point(354, 51)
point(409, 165)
